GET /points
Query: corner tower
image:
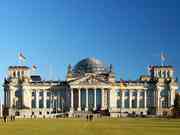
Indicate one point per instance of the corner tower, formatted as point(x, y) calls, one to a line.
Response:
point(15, 96)
point(163, 88)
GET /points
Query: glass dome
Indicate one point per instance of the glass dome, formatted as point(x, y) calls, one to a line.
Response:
point(90, 65)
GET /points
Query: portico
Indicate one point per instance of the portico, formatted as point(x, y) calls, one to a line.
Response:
point(89, 98)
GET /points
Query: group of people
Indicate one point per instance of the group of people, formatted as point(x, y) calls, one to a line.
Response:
point(90, 117)
point(5, 118)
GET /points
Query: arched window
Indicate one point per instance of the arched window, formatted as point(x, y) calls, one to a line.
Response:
point(14, 74)
point(164, 93)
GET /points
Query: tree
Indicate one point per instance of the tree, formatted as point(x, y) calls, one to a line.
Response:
point(177, 105)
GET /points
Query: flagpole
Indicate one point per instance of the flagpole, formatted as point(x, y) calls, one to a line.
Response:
point(21, 62)
point(161, 59)
point(162, 63)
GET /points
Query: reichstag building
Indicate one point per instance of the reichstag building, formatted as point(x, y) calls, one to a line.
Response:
point(90, 86)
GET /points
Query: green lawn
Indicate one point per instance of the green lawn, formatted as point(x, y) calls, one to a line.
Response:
point(124, 126)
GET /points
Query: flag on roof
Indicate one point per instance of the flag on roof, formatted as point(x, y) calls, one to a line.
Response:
point(163, 57)
point(21, 57)
point(34, 67)
point(150, 67)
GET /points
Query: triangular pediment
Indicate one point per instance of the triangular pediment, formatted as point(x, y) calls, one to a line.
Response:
point(89, 80)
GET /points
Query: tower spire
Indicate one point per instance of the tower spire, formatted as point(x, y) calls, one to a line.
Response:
point(69, 72)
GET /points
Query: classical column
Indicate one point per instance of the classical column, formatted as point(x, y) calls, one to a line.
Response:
point(169, 99)
point(167, 74)
point(51, 100)
point(130, 99)
point(102, 99)
point(79, 97)
point(10, 99)
point(145, 99)
point(37, 99)
point(72, 100)
point(7, 98)
point(57, 100)
point(122, 99)
point(87, 104)
point(138, 96)
point(94, 99)
point(16, 74)
point(172, 94)
point(157, 99)
point(44, 99)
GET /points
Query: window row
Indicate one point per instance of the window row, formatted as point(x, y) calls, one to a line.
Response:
point(127, 93)
point(49, 104)
point(133, 102)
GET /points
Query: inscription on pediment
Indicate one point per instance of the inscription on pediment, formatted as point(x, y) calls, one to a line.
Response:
point(91, 80)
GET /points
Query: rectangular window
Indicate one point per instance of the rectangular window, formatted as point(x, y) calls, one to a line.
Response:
point(134, 94)
point(41, 104)
point(126, 103)
point(33, 104)
point(41, 93)
point(48, 103)
point(141, 104)
point(48, 94)
point(141, 94)
point(119, 103)
point(127, 93)
point(134, 104)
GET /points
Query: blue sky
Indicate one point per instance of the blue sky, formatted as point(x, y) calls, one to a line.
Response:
point(130, 34)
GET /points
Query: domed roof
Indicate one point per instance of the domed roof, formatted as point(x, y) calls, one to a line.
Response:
point(90, 65)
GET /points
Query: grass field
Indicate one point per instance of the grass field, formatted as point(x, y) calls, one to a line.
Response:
point(97, 127)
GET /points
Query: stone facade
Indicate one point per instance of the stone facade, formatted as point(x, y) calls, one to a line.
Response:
point(90, 86)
